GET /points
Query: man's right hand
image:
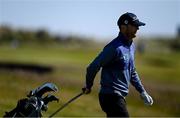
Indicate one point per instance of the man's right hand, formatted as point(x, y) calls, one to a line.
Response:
point(86, 90)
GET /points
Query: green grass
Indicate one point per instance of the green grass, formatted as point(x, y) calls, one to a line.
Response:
point(159, 73)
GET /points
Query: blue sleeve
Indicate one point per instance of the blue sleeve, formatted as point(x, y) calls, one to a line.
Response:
point(102, 59)
point(135, 80)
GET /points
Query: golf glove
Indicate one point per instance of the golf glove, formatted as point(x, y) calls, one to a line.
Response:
point(147, 98)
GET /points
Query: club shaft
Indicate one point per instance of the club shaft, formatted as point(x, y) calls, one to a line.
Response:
point(71, 100)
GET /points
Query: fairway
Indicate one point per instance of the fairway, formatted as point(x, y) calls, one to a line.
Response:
point(159, 72)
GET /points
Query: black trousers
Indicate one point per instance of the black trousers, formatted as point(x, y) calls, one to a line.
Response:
point(113, 105)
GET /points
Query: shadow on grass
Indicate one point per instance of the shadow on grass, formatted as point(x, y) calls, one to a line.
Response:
point(35, 68)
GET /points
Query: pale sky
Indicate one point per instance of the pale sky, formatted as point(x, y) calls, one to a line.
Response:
point(91, 18)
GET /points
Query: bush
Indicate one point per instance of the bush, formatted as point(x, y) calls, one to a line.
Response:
point(175, 45)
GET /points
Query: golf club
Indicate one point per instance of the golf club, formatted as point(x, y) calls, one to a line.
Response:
point(63, 106)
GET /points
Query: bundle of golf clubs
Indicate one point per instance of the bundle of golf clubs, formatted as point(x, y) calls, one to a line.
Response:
point(36, 102)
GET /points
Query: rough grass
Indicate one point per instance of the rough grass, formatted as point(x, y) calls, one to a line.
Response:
point(159, 72)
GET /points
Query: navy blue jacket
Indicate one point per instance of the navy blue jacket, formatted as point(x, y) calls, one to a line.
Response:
point(118, 68)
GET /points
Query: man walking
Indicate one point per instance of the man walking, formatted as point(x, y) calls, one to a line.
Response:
point(118, 69)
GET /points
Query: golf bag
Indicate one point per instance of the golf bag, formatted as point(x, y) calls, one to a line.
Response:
point(35, 102)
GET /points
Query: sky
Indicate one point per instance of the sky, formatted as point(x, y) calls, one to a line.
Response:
point(91, 18)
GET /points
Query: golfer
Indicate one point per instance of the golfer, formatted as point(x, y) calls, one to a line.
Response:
point(118, 69)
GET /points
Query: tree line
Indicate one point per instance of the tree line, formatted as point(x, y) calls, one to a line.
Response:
point(8, 34)
point(42, 36)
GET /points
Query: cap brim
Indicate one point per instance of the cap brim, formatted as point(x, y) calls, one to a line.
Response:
point(138, 23)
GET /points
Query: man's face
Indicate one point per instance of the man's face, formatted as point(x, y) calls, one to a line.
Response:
point(131, 31)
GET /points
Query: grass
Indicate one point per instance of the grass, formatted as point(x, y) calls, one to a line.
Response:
point(159, 73)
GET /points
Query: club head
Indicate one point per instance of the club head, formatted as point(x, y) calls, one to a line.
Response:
point(50, 98)
point(47, 87)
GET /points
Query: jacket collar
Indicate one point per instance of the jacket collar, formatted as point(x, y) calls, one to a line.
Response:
point(124, 39)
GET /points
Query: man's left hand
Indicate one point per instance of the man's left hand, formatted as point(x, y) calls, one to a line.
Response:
point(147, 98)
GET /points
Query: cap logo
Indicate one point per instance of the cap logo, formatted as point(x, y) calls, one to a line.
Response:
point(135, 18)
point(126, 22)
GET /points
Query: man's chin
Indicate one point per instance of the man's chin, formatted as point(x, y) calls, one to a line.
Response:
point(133, 36)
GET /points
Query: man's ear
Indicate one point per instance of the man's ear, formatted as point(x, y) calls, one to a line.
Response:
point(123, 28)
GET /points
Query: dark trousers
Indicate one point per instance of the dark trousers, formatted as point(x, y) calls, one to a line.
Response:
point(113, 105)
